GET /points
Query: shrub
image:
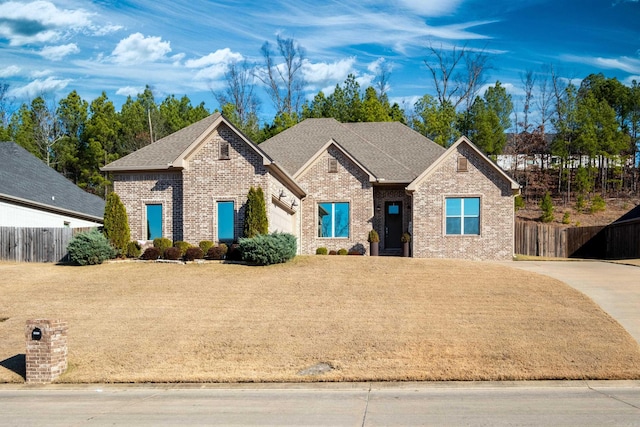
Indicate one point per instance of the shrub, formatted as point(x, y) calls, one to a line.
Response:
point(235, 252)
point(406, 238)
point(183, 246)
point(597, 204)
point(192, 253)
point(162, 243)
point(355, 252)
point(333, 252)
point(322, 251)
point(217, 252)
point(373, 236)
point(565, 218)
point(172, 253)
point(133, 250)
point(546, 204)
point(152, 253)
point(205, 245)
point(255, 216)
point(266, 249)
point(90, 248)
point(116, 224)
point(342, 251)
point(518, 202)
point(579, 203)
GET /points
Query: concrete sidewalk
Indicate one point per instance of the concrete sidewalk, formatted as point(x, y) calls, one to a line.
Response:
point(613, 286)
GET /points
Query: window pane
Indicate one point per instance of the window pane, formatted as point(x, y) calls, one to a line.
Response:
point(341, 219)
point(453, 226)
point(472, 225)
point(394, 209)
point(454, 207)
point(324, 219)
point(226, 216)
point(472, 207)
point(154, 221)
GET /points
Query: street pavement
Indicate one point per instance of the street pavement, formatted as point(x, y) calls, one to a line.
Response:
point(614, 287)
point(545, 403)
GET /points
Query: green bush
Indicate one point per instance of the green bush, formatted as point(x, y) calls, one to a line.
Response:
point(342, 251)
point(255, 215)
point(322, 251)
point(192, 253)
point(162, 243)
point(580, 203)
point(133, 250)
point(152, 253)
point(172, 253)
point(205, 245)
point(546, 204)
point(266, 249)
point(373, 236)
point(116, 224)
point(183, 246)
point(565, 218)
point(518, 202)
point(90, 248)
point(597, 204)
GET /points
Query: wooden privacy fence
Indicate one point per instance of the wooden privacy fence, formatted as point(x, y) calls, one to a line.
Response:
point(614, 241)
point(36, 244)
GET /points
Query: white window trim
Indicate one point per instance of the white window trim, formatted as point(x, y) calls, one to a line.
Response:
point(333, 232)
point(214, 217)
point(144, 217)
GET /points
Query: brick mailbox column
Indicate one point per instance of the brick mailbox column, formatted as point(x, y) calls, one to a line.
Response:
point(46, 350)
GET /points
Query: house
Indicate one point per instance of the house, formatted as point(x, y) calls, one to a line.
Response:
point(326, 182)
point(34, 195)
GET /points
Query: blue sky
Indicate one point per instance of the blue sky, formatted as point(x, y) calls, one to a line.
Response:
point(182, 47)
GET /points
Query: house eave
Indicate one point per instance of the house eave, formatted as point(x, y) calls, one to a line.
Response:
point(52, 209)
point(152, 168)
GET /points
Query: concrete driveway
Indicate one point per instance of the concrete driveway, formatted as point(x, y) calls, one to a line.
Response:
point(614, 287)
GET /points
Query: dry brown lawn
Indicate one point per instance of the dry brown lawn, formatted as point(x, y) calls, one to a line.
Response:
point(368, 318)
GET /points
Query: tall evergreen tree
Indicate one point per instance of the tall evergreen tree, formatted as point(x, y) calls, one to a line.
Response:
point(255, 216)
point(116, 224)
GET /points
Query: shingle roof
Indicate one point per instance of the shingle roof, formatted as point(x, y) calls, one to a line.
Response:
point(163, 151)
point(25, 177)
point(390, 150)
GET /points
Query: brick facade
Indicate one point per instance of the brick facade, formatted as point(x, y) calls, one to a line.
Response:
point(349, 184)
point(496, 210)
point(390, 193)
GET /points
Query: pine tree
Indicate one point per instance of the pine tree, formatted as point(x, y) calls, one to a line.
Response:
point(546, 204)
point(255, 216)
point(116, 224)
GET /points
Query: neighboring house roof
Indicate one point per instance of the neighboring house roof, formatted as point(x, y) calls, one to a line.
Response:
point(173, 151)
point(515, 187)
point(391, 151)
point(25, 179)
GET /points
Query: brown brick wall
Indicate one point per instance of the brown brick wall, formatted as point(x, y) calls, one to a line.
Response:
point(496, 211)
point(349, 184)
point(46, 359)
point(386, 193)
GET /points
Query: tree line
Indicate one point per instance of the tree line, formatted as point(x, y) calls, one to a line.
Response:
point(567, 139)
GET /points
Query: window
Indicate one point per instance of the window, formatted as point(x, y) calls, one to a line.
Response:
point(224, 150)
point(226, 221)
point(154, 221)
point(463, 215)
point(333, 165)
point(333, 219)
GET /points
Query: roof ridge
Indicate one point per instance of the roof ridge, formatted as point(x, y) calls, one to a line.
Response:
point(375, 146)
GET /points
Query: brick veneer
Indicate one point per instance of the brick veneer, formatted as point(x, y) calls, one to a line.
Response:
point(496, 210)
point(350, 184)
point(46, 359)
point(390, 193)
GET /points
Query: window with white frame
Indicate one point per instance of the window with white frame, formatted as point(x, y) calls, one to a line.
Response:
point(462, 215)
point(333, 219)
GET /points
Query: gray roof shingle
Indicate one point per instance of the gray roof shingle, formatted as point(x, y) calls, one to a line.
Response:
point(26, 177)
point(391, 151)
point(163, 151)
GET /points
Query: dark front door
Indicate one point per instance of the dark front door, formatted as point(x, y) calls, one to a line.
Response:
point(392, 225)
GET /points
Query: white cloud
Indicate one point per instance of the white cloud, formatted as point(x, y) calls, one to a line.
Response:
point(431, 7)
point(57, 53)
point(623, 63)
point(130, 90)
point(9, 71)
point(137, 49)
point(38, 21)
point(39, 87)
point(220, 56)
point(106, 29)
point(40, 73)
point(321, 74)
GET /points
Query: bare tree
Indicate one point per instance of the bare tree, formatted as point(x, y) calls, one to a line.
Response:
point(382, 78)
point(239, 91)
point(45, 127)
point(5, 105)
point(284, 81)
point(457, 73)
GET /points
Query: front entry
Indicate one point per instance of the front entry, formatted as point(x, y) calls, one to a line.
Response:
point(392, 225)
